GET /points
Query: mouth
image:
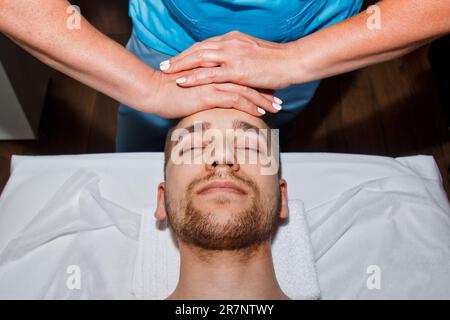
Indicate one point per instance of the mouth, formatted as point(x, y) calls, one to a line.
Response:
point(222, 187)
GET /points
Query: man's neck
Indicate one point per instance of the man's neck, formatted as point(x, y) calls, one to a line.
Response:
point(223, 275)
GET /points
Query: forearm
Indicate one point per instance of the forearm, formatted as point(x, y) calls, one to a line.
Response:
point(349, 45)
point(87, 55)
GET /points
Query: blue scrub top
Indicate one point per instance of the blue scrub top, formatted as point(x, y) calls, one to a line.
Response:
point(171, 26)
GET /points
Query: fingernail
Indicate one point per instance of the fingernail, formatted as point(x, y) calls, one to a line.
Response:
point(165, 62)
point(262, 111)
point(164, 66)
point(181, 80)
point(277, 100)
point(276, 106)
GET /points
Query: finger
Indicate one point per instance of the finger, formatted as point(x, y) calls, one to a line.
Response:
point(205, 76)
point(224, 99)
point(271, 93)
point(275, 99)
point(200, 58)
point(195, 47)
point(264, 101)
point(211, 44)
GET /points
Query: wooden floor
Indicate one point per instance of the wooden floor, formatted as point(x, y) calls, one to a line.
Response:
point(390, 109)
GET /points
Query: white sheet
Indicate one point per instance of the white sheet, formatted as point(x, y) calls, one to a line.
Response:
point(100, 238)
point(363, 211)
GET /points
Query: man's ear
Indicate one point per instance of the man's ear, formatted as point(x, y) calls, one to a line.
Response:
point(284, 212)
point(160, 212)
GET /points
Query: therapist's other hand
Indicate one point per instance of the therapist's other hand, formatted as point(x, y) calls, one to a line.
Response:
point(171, 101)
point(234, 57)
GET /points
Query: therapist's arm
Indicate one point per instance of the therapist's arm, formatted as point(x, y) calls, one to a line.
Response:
point(343, 47)
point(40, 27)
point(405, 26)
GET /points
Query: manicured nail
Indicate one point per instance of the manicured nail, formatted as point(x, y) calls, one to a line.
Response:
point(165, 62)
point(164, 66)
point(276, 106)
point(277, 100)
point(262, 111)
point(181, 80)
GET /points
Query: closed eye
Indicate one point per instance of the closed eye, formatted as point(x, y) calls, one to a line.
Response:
point(248, 148)
point(192, 148)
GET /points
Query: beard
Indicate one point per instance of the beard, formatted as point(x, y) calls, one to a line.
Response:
point(244, 229)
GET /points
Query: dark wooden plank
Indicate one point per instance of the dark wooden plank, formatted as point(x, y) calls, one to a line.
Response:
point(102, 133)
point(310, 126)
point(67, 116)
point(108, 16)
point(4, 171)
point(361, 123)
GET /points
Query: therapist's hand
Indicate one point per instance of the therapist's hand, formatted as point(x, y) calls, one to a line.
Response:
point(171, 101)
point(234, 57)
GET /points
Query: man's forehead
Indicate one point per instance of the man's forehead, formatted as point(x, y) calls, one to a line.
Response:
point(225, 119)
point(235, 124)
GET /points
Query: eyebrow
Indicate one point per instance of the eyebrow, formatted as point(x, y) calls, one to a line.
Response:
point(191, 129)
point(205, 126)
point(245, 126)
point(237, 124)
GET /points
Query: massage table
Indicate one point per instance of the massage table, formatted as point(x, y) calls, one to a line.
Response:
point(379, 226)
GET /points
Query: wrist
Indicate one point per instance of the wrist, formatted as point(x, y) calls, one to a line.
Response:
point(299, 63)
point(149, 97)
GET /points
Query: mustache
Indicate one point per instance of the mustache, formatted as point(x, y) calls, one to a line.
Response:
point(230, 176)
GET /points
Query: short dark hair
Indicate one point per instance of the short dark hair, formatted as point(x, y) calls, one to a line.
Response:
point(168, 145)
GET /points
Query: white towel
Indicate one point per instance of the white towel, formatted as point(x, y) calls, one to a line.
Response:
point(157, 262)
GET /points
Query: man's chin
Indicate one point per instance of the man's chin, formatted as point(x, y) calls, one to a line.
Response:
point(213, 226)
point(220, 214)
point(221, 205)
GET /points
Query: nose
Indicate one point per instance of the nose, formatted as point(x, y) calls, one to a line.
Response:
point(216, 165)
point(220, 161)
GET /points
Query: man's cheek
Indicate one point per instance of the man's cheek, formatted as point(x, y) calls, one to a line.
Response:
point(176, 174)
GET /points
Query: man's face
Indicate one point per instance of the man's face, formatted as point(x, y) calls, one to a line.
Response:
point(216, 201)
